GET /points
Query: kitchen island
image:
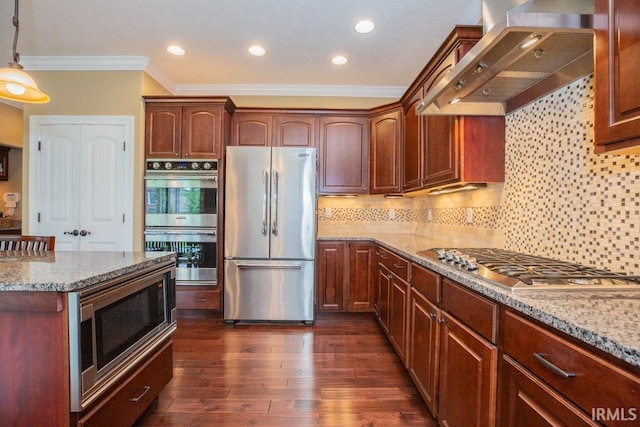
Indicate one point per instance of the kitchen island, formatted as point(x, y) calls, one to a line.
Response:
point(47, 301)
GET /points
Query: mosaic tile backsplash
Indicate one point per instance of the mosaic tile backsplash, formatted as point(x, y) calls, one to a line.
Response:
point(559, 199)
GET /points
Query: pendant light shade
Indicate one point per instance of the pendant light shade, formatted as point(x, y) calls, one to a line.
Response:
point(15, 84)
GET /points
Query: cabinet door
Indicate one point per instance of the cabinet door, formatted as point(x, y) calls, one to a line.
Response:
point(412, 143)
point(163, 131)
point(424, 345)
point(383, 286)
point(330, 276)
point(251, 129)
point(201, 131)
point(386, 132)
point(468, 377)
point(362, 263)
point(295, 131)
point(344, 155)
point(398, 316)
point(441, 155)
point(617, 60)
point(528, 402)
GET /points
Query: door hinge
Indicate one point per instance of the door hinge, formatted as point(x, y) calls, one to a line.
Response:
point(38, 216)
point(39, 146)
point(124, 145)
point(123, 218)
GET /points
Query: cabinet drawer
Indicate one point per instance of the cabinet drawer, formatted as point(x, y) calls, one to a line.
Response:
point(126, 403)
point(426, 281)
point(394, 263)
point(198, 299)
point(476, 312)
point(596, 383)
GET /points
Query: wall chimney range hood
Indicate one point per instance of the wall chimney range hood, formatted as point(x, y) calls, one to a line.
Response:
point(537, 47)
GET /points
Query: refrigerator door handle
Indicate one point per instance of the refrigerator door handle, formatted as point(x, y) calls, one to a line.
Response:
point(270, 266)
point(274, 214)
point(265, 207)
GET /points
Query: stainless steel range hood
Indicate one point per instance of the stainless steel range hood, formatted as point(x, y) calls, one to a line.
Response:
point(501, 73)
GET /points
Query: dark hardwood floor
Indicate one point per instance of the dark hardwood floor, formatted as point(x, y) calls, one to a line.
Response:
point(340, 372)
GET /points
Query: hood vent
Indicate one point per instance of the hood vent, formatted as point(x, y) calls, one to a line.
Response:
point(536, 48)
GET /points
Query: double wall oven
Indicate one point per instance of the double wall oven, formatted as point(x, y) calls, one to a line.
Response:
point(181, 215)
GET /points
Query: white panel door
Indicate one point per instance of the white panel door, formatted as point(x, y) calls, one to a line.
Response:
point(80, 182)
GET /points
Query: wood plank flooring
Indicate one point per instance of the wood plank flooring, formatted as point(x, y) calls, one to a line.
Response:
point(340, 372)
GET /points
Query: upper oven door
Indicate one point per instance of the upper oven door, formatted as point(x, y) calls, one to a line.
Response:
point(179, 200)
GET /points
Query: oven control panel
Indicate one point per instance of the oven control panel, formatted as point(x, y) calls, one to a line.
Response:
point(182, 165)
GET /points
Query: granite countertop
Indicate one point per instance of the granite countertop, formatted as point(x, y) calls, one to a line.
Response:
point(607, 320)
point(70, 271)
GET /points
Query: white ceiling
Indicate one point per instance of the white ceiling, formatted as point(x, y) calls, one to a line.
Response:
point(300, 36)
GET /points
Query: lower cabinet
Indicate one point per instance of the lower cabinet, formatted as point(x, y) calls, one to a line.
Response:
point(345, 276)
point(468, 376)
point(198, 298)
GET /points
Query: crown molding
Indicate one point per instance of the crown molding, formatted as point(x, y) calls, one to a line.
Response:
point(129, 63)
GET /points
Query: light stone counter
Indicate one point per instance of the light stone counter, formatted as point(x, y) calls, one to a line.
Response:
point(607, 320)
point(70, 271)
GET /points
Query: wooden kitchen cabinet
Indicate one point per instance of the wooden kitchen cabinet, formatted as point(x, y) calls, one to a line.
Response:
point(345, 276)
point(412, 144)
point(252, 129)
point(468, 376)
point(343, 154)
point(393, 299)
point(185, 127)
point(424, 334)
point(617, 92)
point(533, 354)
point(386, 136)
point(330, 279)
point(274, 128)
point(295, 130)
point(362, 270)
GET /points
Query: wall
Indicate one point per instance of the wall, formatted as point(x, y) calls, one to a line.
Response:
point(559, 199)
point(94, 93)
point(10, 126)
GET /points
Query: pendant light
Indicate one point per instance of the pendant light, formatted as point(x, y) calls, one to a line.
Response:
point(15, 84)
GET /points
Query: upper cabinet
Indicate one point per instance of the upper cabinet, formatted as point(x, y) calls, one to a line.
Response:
point(386, 135)
point(343, 154)
point(185, 127)
point(444, 150)
point(274, 129)
point(617, 61)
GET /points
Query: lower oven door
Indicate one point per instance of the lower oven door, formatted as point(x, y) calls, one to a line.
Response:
point(197, 253)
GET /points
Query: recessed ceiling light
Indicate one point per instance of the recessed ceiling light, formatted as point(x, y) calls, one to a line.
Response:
point(364, 26)
point(339, 60)
point(174, 49)
point(256, 50)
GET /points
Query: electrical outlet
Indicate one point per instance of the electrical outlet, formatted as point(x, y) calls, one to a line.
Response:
point(469, 216)
point(327, 212)
point(429, 215)
point(392, 214)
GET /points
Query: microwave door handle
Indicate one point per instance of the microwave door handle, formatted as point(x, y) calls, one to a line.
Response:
point(274, 227)
point(265, 197)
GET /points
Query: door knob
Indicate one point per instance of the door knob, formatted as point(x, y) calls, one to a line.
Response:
point(84, 232)
point(73, 233)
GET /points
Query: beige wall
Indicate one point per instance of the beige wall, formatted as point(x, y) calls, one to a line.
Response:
point(10, 126)
point(93, 93)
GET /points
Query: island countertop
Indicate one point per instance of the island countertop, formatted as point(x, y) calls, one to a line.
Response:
point(607, 320)
point(70, 271)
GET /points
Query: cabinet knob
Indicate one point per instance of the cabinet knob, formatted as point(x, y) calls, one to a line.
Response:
point(441, 320)
point(432, 315)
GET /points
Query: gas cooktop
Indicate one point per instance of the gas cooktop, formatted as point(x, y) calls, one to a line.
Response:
point(517, 271)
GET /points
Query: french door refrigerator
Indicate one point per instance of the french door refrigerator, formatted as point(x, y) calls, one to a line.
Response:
point(270, 233)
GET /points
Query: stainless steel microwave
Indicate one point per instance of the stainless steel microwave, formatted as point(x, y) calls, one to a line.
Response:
point(114, 327)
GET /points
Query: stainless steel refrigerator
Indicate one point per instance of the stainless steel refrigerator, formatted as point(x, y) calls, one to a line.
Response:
point(270, 233)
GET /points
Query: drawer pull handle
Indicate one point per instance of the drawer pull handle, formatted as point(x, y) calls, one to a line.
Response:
point(553, 368)
point(144, 391)
point(383, 256)
point(398, 265)
point(201, 299)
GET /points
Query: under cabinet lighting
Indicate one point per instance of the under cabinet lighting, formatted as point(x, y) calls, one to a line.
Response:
point(533, 39)
point(463, 187)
